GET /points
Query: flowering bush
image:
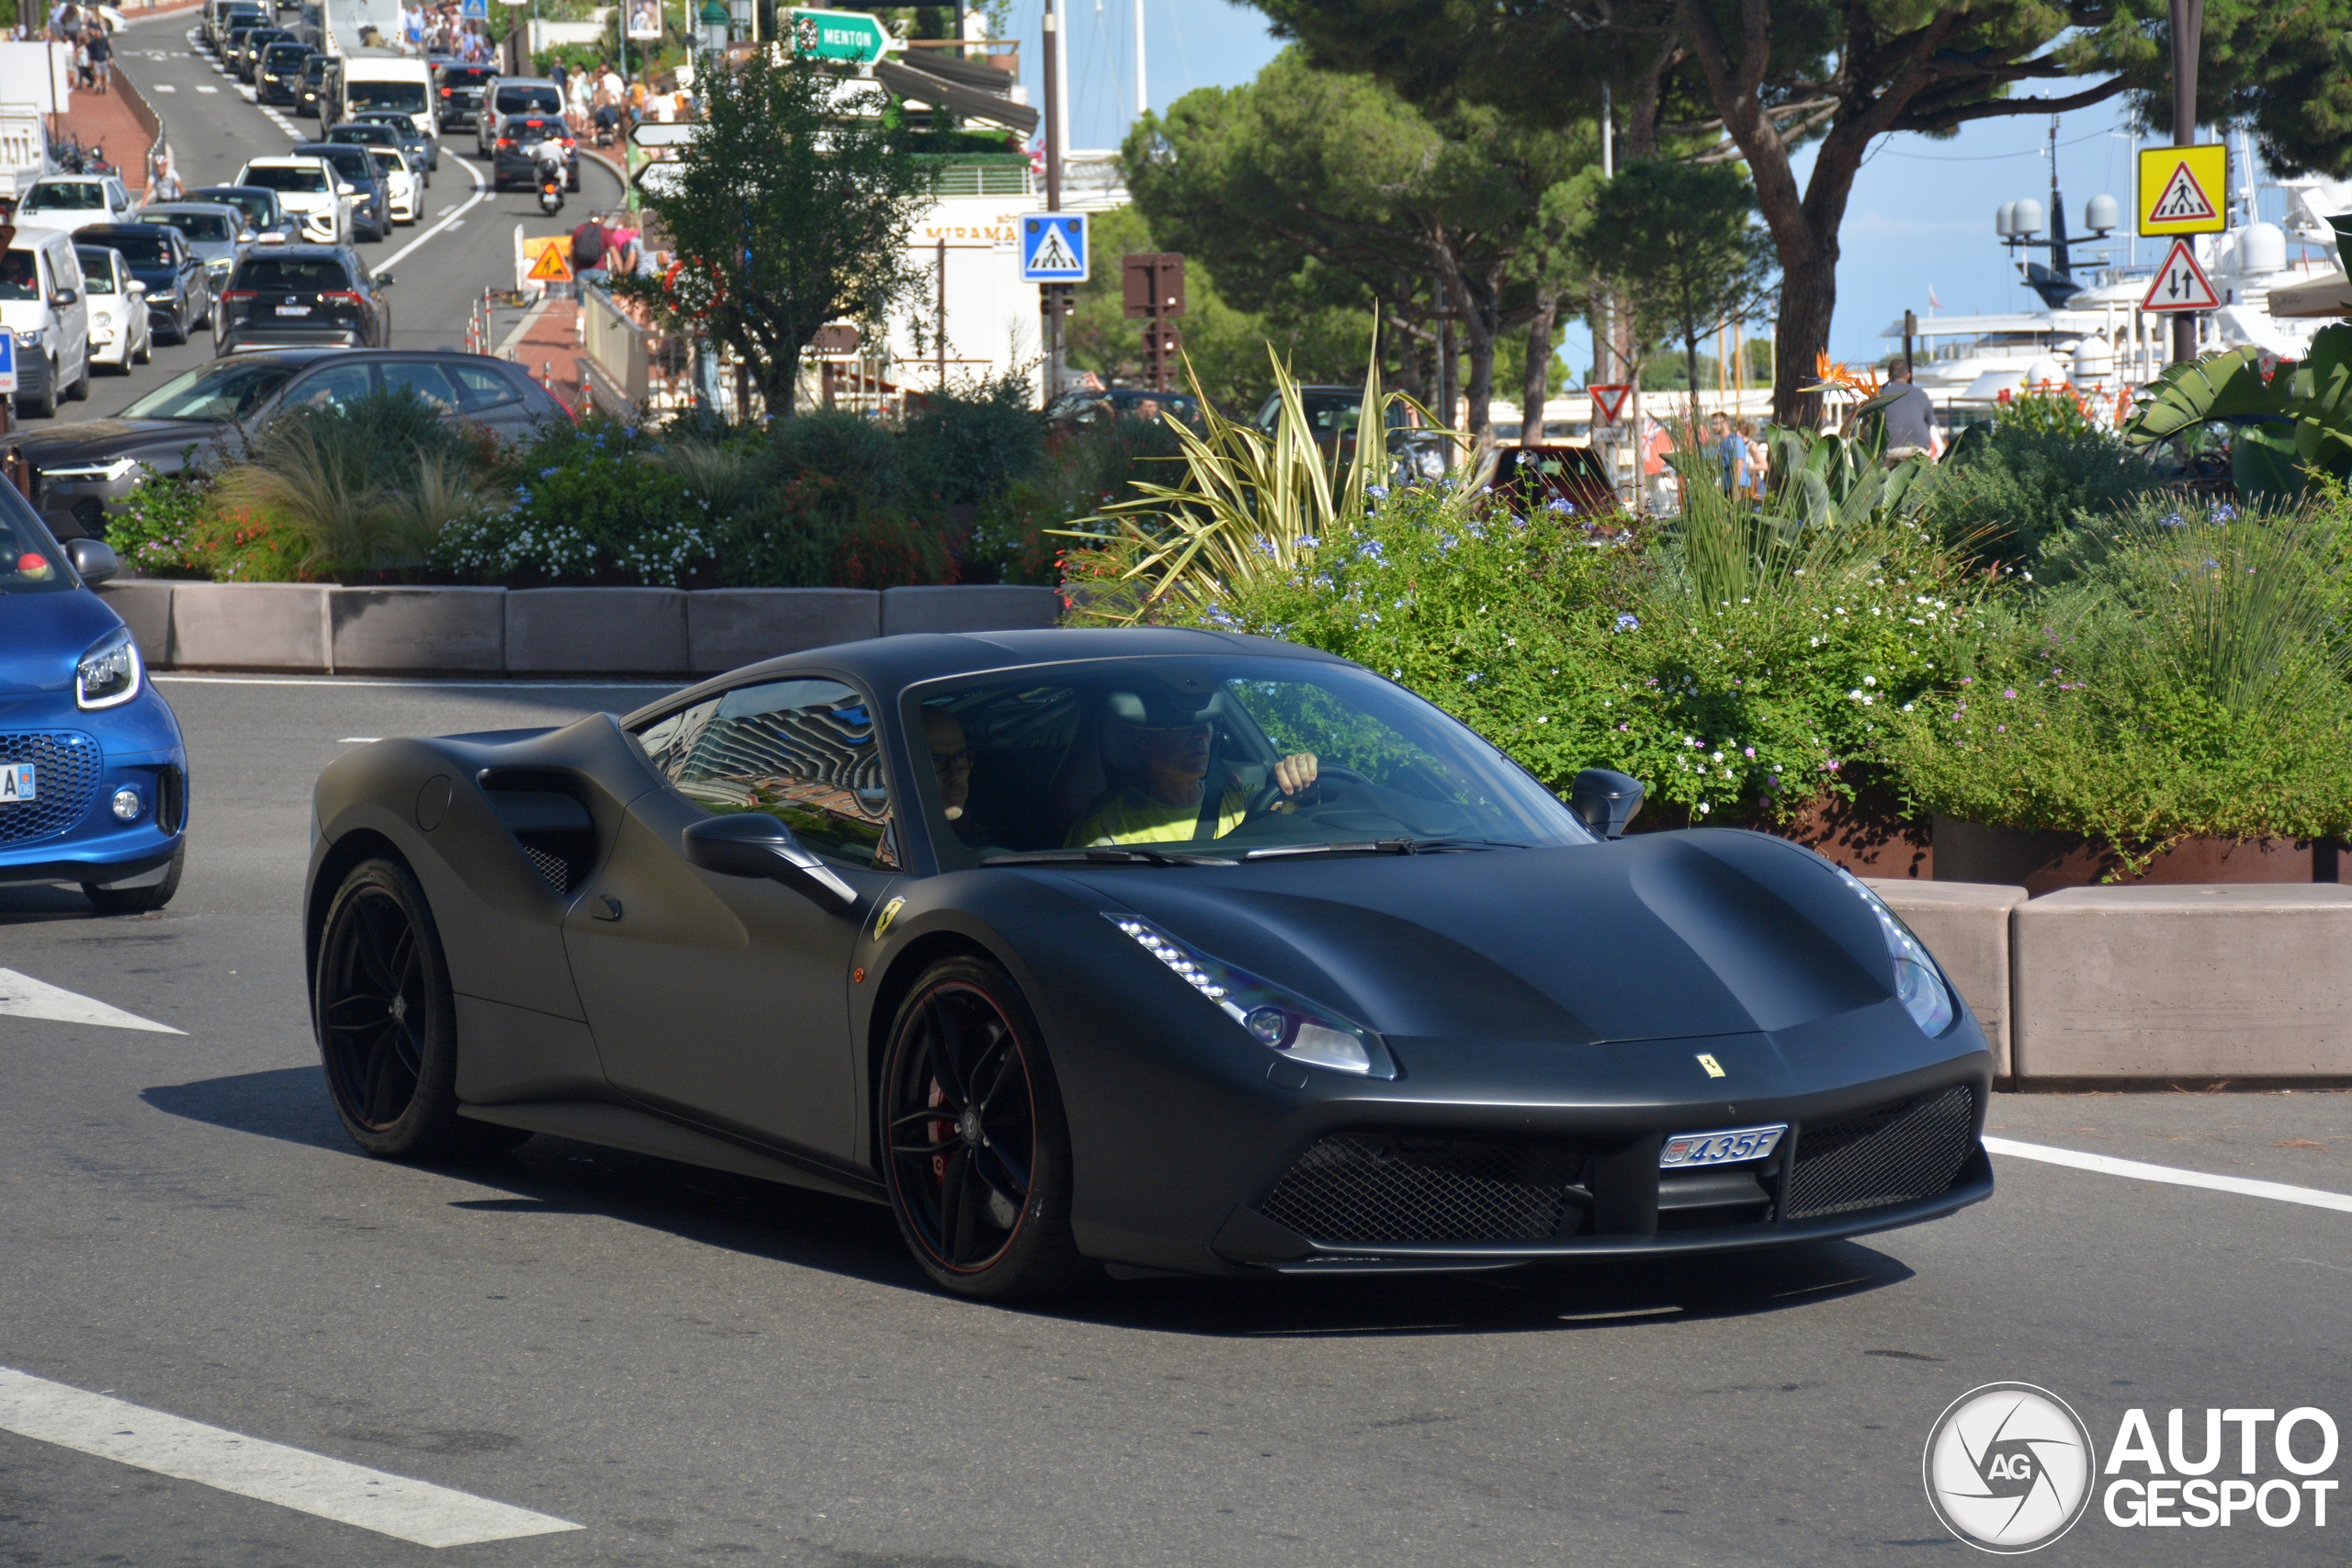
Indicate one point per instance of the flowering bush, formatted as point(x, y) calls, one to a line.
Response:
point(590, 503)
point(174, 526)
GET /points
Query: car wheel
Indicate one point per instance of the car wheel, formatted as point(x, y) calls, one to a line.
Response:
point(139, 900)
point(80, 390)
point(146, 349)
point(976, 1152)
point(386, 1023)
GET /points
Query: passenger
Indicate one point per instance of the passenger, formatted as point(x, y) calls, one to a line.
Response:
point(1175, 742)
point(951, 762)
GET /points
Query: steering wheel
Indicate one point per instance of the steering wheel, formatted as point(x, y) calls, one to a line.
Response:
point(1271, 794)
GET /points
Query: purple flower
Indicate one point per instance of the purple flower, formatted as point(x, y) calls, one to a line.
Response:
point(2010, 692)
point(1627, 623)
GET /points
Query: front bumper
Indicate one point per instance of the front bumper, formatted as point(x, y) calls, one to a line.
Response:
point(71, 833)
point(322, 227)
point(77, 506)
point(32, 373)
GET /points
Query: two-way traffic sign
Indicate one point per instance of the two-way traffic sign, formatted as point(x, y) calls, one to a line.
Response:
point(1053, 247)
point(2181, 284)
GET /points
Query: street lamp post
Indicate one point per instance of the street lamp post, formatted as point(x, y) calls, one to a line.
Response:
point(713, 29)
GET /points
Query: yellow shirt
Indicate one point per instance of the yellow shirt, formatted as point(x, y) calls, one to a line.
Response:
point(1133, 817)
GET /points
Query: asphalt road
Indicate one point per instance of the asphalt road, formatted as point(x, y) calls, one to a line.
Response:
point(694, 1368)
point(463, 242)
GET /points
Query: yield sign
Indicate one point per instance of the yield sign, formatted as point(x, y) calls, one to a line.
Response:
point(1609, 400)
point(2181, 284)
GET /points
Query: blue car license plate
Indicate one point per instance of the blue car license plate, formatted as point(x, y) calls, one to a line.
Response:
point(1728, 1147)
point(18, 782)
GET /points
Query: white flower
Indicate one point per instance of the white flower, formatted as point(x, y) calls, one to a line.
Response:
point(1869, 680)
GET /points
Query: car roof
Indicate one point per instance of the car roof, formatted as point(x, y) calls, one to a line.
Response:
point(72, 179)
point(207, 209)
point(282, 161)
point(123, 231)
point(209, 190)
point(301, 251)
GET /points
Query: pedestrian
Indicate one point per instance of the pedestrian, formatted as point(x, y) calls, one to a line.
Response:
point(589, 246)
point(1757, 465)
point(1731, 453)
point(100, 49)
point(1907, 420)
point(163, 177)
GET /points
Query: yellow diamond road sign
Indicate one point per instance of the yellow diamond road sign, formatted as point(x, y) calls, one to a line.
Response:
point(2183, 190)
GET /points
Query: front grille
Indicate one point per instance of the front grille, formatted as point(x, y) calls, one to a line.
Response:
point(1895, 1154)
point(91, 512)
point(1368, 1187)
point(551, 865)
point(67, 764)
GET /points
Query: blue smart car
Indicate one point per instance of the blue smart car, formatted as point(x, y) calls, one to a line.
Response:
point(93, 772)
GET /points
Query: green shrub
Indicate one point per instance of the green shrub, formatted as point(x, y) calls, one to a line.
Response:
point(2008, 492)
point(1095, 467)
point(966, 448)
point(591, 504)
point(174, 526)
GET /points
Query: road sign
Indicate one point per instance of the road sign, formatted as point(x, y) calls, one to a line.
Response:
point(553, 262)
point(855, 37)
point(2181, 284)
point(1151, 284)
point(1609, 400)
point(675, 133)
point(475, 10)
point(7, 364)
point(1053, 247)
point(2183, 190)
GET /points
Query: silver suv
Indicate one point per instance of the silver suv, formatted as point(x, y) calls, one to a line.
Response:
point(506, 96)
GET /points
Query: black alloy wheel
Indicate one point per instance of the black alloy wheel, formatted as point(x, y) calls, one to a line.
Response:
point(976, 1153)
point(386, 1022)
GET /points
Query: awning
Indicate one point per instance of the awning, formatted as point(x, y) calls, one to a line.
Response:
point(912, 82)
point(2328, 296)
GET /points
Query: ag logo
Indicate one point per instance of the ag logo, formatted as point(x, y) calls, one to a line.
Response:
point(2010, 1467)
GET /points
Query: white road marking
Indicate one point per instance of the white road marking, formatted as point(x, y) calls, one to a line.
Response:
point(203, 88)
point(336, 681)
point(2108, 1164)
point(162, 87)
point(481, 192)
point(359, 740)
point(312, 1484)
point(21, 996)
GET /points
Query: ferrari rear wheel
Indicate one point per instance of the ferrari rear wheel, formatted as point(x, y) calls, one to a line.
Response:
point(977, 1152)
point(386, 1022)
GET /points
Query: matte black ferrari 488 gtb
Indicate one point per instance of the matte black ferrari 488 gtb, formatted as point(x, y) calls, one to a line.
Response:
point(1159, 949)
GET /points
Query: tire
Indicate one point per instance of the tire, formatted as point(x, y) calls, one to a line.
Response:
point(955, 1156)
point(144, 352)
point(140, 900)
point(80, 390)
point(386, 1023)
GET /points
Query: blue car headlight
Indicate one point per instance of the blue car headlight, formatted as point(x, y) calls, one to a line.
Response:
point(1284, 1024)
point(1919, 984)
point(109, 675)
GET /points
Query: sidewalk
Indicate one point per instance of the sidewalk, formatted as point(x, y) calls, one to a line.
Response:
point(105, 119)
point(547, 346)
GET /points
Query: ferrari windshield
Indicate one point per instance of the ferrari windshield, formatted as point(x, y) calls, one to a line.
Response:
point(1162, 758)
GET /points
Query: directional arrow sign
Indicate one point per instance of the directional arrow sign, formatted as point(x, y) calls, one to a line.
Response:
point(677, 133)
point(2181, 284)
point(854, 37)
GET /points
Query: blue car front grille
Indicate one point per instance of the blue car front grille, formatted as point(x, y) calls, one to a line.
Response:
point(66, 764)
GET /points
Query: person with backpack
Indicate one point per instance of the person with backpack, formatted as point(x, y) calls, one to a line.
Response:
point(588, 245)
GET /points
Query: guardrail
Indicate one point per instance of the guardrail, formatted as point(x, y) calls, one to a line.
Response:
point(150, 121)
point(621, 356)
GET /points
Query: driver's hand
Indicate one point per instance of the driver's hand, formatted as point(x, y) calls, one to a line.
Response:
point(1295, 772)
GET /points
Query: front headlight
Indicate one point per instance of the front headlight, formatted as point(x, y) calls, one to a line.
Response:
point(31, 339)
point(1919, 984)
point(121, 467)
point(110, 673)
point(1280, 1022)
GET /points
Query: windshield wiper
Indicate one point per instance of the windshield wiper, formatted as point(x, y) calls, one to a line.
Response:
point(1381, 847)
point(1107, 854)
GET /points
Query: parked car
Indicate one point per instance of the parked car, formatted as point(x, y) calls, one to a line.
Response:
point(311, 189)
point(310, 92)
point(305, 294)
point(512, 157)
point(280, 74)
point(75, 202)
point(460, 87)
point(83, 471)
point(423, 148)
point(93, 769)
point(179, 291)
point(262, 211)
point(505, 96)
point(121, 331)
point(41, 303)
point(216, 232)
point(1073, 410)
point(371, 197)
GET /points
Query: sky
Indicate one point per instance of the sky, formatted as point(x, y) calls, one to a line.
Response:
point(1920, 215)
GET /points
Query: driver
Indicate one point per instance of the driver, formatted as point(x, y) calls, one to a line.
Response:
point(1175, 742)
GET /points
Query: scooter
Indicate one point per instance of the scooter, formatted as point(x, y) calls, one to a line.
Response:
point(548, 160)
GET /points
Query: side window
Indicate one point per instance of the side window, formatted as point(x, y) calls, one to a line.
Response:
point(804, 750)
point(330, 388)
point(423, 377)
point(479, 386)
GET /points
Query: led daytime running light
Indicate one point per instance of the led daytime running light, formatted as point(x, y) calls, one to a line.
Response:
point(1270, 1015)
point(1919, 984)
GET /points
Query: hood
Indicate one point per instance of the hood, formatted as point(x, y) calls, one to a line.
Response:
point(161, 277)
point(156, 441)
point(1662, 936)
point(42, 635)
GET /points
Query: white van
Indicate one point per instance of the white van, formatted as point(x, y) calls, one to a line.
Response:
point(388, 81)
point(42, 301)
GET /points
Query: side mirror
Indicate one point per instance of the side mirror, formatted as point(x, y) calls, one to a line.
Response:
point(136, 287)
point(66, 296)
point(752, 843)
point(346, 190)
point(245, 237)
point(383, 280)
point(93, 559)
point(1605, 801)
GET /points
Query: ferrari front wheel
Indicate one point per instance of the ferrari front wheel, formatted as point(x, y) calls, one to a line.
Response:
point(386, 1021)
point(976, 1150)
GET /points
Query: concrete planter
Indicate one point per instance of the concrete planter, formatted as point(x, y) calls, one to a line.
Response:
point(968, 609)
point(145, 606)
point(575, 631)
point(2155, 984)
point(250, 626)
point(424, 631)
point(729, 627)
point(2043, 863)
point(1966, 927)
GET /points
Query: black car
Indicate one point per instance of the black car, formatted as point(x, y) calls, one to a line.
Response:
point(369, 132)
point(280, 73)
point(244, 60)
point(305, 294)
point(511, 160)
point(263, 213)
point(424, 151)
point(229, 18)
point(310, 92)
point(460, 87)
point(179, 292)
point(928, 921)
point(82, 471)
point(373, 210)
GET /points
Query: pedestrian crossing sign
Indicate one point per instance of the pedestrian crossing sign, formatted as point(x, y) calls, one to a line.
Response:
point(476, 10)
point(1053, 247)
point(2183, 190)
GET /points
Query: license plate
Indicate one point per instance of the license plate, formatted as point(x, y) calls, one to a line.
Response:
point(17, 782)
point(293, 310)
point(1729, 1147)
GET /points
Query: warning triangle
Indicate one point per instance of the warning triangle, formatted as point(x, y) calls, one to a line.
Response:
point(1053, 253)
point(2183, 201)
point(2181, 284)
point(550, 267)
point(1610, 399)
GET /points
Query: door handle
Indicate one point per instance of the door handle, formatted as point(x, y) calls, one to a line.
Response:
point(611, 911)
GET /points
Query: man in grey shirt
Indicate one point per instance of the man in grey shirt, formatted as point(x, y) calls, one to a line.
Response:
point(1907, 417)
